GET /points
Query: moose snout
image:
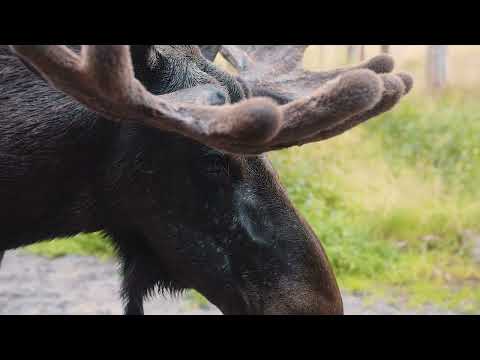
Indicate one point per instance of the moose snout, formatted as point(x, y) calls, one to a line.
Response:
point(309, 287)
point(295, 276)
point(305, 299)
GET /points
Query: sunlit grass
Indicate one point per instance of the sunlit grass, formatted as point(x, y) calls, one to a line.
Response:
point(435, 278)
point(83, 244)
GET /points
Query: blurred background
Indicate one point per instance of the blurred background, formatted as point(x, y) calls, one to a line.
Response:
point(395, 201)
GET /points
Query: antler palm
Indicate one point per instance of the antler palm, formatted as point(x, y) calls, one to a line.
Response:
point(287, 105)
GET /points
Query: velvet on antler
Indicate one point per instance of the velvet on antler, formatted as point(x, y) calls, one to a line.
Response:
point(310, 106)
point(276, 71)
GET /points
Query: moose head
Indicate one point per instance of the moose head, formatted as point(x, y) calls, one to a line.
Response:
point(186, 191)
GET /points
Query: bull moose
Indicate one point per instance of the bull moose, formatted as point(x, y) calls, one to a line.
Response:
point(164, 152)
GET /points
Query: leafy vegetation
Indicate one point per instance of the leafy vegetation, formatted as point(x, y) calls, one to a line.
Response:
point(393, 199)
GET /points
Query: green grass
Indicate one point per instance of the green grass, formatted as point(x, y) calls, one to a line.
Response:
point(82, 244)
point(390, 201)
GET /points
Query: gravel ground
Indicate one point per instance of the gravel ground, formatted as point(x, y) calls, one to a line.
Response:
point(79, 285)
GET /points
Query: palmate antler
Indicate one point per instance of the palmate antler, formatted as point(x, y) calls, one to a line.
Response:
point(276, 71)
point(102, 78)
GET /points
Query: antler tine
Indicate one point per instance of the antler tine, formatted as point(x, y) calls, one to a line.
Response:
point(280, 75)
point(58, 60)
point(248, 57)
point(380, 64)
point(110, 67)
point(318, 105)
point(105, 70)
point(332, 104)
point(237, 57)
point(282, 59)
point(394, 87)
point(102, 79)
point(340, 104)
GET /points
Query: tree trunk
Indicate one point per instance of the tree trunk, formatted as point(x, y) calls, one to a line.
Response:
point(436, 67)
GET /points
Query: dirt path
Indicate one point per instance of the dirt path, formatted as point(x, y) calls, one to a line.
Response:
point(31, 284)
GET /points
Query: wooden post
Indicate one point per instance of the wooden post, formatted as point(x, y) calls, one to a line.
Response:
point(350, 53)
point(362, 52)
point(354, 53)
point(436, 67)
